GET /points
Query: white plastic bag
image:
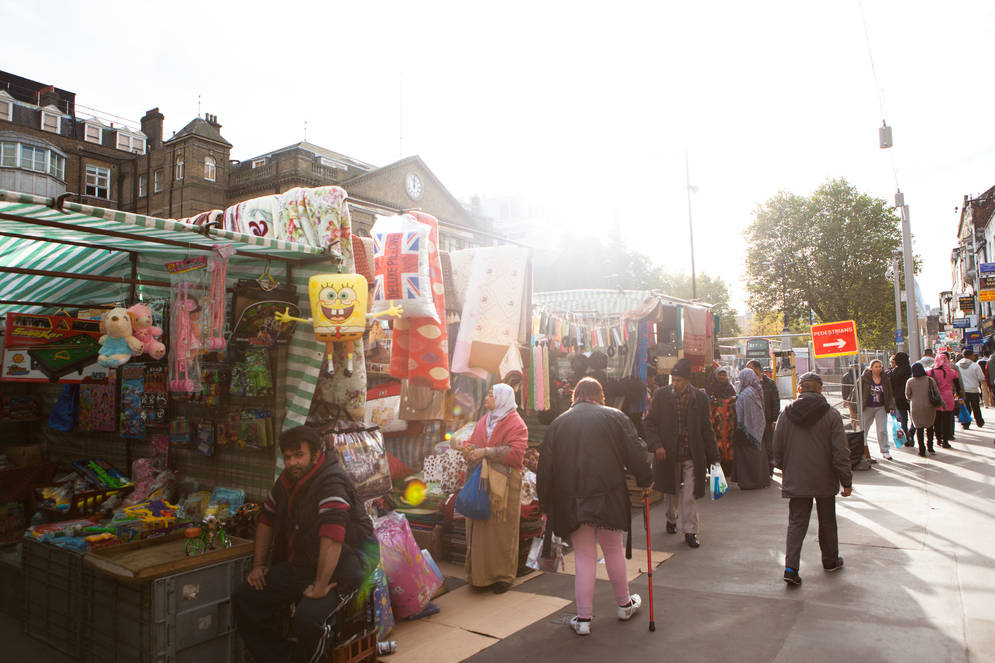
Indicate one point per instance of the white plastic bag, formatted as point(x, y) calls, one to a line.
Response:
point(717, 486)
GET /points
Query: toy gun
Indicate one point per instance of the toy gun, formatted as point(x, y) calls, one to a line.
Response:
point(106, 478)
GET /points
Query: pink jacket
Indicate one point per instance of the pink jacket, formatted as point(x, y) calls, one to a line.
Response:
point(944, 374)
point(510, 431)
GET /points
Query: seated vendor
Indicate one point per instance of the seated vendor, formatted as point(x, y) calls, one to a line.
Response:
point(323, 549)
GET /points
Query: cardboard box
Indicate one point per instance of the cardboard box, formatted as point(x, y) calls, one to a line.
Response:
point(24, 455)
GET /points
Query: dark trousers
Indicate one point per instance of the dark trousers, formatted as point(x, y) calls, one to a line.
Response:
point(929, 437)
point(261, 616)
point(943, 427)
point(973, 402)
point(799, 513)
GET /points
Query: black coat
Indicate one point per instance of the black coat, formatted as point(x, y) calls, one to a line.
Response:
point(899, 377)
point(582, 466)
point(661, 431)
point(772, 400)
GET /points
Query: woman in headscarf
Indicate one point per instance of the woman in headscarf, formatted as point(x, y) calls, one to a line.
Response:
point(921, 408)
point(499, 441)
point(750, 458)
point(945, 377)
point(722, 403)
point(899, 375)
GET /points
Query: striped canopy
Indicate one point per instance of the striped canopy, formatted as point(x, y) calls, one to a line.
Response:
point(82, 239)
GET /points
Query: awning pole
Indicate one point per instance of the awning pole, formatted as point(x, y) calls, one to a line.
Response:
point(17, 302)
point(81, 277)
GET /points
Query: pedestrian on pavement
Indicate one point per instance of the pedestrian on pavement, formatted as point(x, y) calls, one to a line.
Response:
point(772, 409)
point(752, 469)
point(972, 377)
point(899, 375)
point(923, 410)
point(878, 403)
point(849, 393)
point(323, 549)
point(582, 489)
point(986, 385)
point(945, 376)
point(811, 450)
point(679, 433)
point(501, 438)
point(928, 358)
point(719, 386)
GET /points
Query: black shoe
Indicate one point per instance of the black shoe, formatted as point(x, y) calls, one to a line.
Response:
point(946, 445)
point(671, 528)
point(910, 444)
point(792, 578)
point(836, 567)
point(692, 540)
point(931, 450)
point(922, 452)
point(501, 587)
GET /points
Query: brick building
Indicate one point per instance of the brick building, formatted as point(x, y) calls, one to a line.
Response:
point(46, 148)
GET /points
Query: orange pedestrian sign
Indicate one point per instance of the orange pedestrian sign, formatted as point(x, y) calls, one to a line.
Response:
point(834, 339)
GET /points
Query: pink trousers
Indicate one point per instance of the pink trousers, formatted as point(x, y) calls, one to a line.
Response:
point(585, 540)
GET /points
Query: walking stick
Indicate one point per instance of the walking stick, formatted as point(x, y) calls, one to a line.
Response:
point(649, 552)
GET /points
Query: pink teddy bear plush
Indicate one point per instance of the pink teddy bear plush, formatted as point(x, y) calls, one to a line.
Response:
point(146, 332)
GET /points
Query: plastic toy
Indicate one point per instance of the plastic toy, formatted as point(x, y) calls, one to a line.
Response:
point(338, 312)
point(185, 342)
point(144, 329)
point(118, 344)
point(214, 338)
point(211, 536)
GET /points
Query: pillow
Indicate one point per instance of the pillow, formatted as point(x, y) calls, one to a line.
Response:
point(401, 267)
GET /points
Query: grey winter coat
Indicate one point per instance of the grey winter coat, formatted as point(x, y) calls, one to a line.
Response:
point(810, 448)
point(660, 427)
point(917, 391)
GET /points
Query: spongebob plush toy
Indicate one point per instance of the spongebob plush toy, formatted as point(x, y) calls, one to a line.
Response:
point(338, 311)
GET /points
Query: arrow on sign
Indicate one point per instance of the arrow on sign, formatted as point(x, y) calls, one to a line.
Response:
point(839, 343)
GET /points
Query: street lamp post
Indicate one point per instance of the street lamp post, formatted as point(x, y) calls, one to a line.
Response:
point(898, 298)
point(911, 315)
point(687, 171)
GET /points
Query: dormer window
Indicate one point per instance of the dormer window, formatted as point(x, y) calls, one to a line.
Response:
point(130, 143)
point(6, 106)
point(258, 163)
point(51, 119)
point(93, 133)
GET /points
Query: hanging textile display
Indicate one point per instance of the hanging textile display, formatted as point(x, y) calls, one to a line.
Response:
point(256, 217)
point(497, 312)
point(420, 344)
point(697, 349)
point(401, 267)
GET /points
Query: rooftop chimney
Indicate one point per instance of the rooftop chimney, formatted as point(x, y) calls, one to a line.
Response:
point(47, 96)
point(152, 128)
point(212, 120)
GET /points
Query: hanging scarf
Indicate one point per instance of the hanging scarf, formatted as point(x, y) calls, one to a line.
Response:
point(504, 404)
point(750, 407)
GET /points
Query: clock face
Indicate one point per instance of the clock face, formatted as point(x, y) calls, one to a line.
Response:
point(414, 186)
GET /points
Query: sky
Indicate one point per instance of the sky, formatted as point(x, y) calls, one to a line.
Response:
point(584, 109)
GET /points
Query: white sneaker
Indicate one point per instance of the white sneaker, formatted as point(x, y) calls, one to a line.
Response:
point(626, 613)
point(579, 627)
point(887, 456)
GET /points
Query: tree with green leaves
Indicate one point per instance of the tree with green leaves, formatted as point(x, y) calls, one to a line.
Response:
point(827, 253)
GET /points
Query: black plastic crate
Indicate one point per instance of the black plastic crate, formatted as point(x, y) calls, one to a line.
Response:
point(53, 596)
point(183, 618)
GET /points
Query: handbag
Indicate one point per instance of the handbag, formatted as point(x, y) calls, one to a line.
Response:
point(935, 397)
point(360, 448)
point(473, 500)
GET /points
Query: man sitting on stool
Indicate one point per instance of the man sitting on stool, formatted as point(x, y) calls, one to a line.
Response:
point(324, 549)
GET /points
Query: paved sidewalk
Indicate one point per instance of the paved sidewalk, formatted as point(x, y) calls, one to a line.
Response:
point(918, 536)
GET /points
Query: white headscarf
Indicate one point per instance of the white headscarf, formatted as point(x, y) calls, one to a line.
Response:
point(504, 404)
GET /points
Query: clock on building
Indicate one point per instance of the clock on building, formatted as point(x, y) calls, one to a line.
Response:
point(413, 185)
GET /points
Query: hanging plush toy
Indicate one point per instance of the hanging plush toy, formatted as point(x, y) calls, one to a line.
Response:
point(146, 332)
point(338, 312)
point(118, 344)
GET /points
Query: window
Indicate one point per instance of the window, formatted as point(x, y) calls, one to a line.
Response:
point(8, 155)
point(94, 133)
point(156, 182)
point(179, 168)
point(142, 186)
point(34, 158)
point(210, 169)
point(51, 121)
point(57, 166)
point(130, 143)
point(6, 110)
point(258, 163)
point(98, 182)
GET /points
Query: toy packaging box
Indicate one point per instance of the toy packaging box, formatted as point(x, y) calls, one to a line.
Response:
point(51, 348)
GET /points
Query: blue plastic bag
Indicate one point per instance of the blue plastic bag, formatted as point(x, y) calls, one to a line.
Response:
point(717, 485)
point(895, 432)
point(66, 409)
point(473, 500)
point(964, 416)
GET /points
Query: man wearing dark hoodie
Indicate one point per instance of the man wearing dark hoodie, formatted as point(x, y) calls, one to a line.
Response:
point(810, 449)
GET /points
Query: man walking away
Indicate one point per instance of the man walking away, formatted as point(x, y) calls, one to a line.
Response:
point(811, 451)
point(928, 358)
point(972, 377)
